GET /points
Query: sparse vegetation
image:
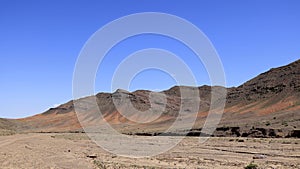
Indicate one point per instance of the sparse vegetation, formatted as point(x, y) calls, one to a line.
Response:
point(240, 140)
point(100, 164)
point(286, 142)
point(268, 123)
point(6, 132)
point(69, 136)
point(251, 166)
point(284, 123)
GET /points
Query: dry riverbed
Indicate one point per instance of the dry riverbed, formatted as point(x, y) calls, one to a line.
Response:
point(76, 151)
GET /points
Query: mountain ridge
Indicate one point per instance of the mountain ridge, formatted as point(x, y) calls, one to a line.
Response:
point(271, 97)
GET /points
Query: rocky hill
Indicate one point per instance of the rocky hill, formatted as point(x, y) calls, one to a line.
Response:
point(265, 106)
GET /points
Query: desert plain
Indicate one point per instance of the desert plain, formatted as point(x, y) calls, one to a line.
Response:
point(76, 150)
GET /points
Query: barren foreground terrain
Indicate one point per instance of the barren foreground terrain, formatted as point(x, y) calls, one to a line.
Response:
point(76, 150)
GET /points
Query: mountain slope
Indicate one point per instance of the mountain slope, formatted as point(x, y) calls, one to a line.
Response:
point(270, 100)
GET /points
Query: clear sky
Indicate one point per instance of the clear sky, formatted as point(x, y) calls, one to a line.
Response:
point(40, 42)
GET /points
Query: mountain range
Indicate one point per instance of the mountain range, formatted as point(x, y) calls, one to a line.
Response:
point(265, 106)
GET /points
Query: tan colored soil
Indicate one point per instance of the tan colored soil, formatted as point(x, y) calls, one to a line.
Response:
point(70, 151)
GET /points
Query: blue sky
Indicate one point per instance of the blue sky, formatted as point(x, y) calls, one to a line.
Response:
point(40, 42)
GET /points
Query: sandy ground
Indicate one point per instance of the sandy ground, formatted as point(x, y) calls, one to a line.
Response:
point(71, 151)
